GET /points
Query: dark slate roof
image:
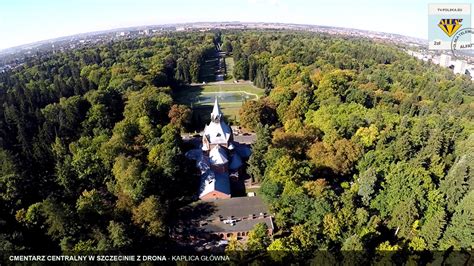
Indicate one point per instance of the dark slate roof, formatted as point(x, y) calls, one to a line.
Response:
point(242, 150)
point(235, 162)
point(238, 207)
point(239, 226)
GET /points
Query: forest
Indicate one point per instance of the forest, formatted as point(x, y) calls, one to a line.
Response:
point(360, 147)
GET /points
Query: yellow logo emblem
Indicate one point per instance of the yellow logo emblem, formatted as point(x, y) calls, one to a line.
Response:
point(450, 25)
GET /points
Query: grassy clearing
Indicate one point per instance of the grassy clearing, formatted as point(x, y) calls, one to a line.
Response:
point(247, 87)
point(186, 95)
point(202, 114)
point(229, 63)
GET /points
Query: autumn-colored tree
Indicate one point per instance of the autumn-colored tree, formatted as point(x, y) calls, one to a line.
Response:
point(253, 113)
point(318, 188)
point(338, 157)
point(180, 115)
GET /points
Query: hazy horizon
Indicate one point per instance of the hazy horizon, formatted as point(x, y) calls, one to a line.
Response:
point(182, 23)
point(28, 21)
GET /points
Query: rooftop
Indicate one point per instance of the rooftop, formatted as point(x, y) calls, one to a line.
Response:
point(218, 155)
point(216, 114)
point(218, 132)
point(244, 212)
point(240, 226)
point(238, 207)
point(211, 181)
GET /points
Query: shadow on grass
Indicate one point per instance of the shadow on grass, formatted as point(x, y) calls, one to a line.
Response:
point(187, 94)
point(208, 70)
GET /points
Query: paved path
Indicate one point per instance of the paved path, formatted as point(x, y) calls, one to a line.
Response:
point(246, 139)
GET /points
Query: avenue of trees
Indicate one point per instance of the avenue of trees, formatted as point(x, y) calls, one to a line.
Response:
point(360, 147)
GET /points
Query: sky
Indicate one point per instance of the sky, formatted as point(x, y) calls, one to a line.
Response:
point(26, 21)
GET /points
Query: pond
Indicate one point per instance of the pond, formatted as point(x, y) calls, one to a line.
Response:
point(223, 97)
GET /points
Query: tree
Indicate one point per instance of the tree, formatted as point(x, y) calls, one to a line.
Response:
point(85, 161)
point(338, 121)
point(165, 155)
point(91, 204)
point(318, 188)
point(180, 116)
point(353, 243)
point(288, 169)
point(256, 163)
point(241, 69)
point(85, 246)
point(149, 215)
point(460, 230)
point(258, 239)
point(227, 46)
point(334, 85)
point(10, 180)
point(234, 245)
point(432, 228)
point(278, 249)
point(303, 237)
point(366, 135)
point(288, 75)
point(150, 102)
point(403, 216)
point(118, 235)
point(64, 118)
point(254, 112)
point(182, 73)
point(58, 218)
point(367, 181)
point(456, 183)
point(339, 157)
point(332, 228)
point(130, 182)
point(295, 142)
point(406, 183)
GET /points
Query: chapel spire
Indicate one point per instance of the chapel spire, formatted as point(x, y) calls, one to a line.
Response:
point(216, 114)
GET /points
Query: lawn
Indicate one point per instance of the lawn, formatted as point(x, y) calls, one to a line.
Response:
point(201, 114)
point(229, 63)
point(188, 95)
point(247, 87)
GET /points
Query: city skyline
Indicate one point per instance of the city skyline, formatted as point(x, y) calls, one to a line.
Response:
point(27, 21)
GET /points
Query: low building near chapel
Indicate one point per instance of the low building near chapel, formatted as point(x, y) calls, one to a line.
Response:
point(235, 217)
